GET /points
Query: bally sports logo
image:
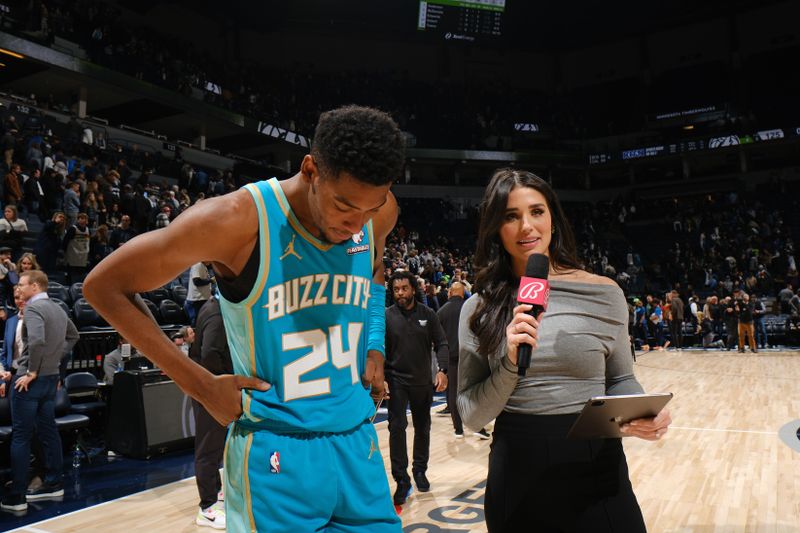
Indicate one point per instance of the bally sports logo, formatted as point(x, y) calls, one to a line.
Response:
point(533, 291)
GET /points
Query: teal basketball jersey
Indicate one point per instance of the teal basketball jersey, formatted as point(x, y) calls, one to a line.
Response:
point(303, 327)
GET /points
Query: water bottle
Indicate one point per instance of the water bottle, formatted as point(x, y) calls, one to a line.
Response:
point(76, 456)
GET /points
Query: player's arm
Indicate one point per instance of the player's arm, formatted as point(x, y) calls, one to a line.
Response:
point(219, 230)
point(382, 224)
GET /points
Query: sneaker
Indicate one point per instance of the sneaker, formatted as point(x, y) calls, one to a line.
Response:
point(402, 492)
point(422, 483)
point(46, 491)
point(443, 412)
point(458, 435)
point(211, 517)
point(14, 502)
point(483, 434)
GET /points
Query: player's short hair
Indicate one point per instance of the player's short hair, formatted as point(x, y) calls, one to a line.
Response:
point(362, 141)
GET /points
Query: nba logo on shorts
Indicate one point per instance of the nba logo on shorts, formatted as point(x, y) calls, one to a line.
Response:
point(275, 462)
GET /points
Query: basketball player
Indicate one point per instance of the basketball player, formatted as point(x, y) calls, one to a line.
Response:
point(302, 292)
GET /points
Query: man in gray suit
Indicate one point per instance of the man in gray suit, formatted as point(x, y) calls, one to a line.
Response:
point(47, 335)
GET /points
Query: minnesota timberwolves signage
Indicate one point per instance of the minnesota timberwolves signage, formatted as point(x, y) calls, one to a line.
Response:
point(283, 134)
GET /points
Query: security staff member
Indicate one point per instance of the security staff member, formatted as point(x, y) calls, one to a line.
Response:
point(412, 330)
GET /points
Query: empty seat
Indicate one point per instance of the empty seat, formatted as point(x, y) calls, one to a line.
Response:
point(172, 313)
point(57, 290)
point(85, 316)
point(5, 418)
point(76, 291)
point(63, 306)
point(153, 309)
point(157, 295)
point(179, 294)
point(82, 388)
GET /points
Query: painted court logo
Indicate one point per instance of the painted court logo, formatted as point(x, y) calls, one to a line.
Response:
point(275, 462)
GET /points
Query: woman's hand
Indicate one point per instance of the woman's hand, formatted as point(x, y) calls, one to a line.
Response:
point(648, 428)
point(523, 329)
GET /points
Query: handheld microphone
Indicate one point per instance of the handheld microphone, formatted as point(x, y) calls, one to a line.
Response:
point(534, 290)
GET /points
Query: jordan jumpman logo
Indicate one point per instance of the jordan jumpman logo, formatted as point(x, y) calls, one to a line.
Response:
point(290, 250)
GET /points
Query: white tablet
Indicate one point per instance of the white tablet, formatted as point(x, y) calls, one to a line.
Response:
point(602, 416)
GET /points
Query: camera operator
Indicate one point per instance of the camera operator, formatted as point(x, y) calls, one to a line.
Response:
point(744, 311)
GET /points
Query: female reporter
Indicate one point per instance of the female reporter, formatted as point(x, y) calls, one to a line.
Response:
point(538, 479)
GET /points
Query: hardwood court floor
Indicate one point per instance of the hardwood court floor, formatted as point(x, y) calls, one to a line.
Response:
point(721, 468)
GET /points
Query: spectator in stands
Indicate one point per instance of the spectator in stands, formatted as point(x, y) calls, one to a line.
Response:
point(48, 244)
point(91, 208)
point(122, 234)
point(8, 274)
point(99, 247)
point(8, 143)
point(12, 186)
point(199, 290)
point(210, 349)
point(76, 249)
point(72, 202)
point(784, 296)
point(12, 230)
point(27, 261)
point(640, 323)
point(48, 335)
point(33, 193)
point(12, 340)
point(656, 318)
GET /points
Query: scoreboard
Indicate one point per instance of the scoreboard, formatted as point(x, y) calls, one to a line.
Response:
point(468, 20)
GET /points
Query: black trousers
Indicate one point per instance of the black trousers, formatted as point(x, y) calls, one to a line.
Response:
point(540, 481)
point(420, 397)
point(452, 392)
point(209, 447)
point(676, 333)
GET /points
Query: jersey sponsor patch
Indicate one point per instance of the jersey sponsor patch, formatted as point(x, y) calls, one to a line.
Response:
point(358, 249)
point(275, 462)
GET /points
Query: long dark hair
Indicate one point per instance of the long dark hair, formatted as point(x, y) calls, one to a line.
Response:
point(495, 280)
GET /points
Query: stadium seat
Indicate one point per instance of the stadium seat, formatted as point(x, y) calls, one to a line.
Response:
point(157, 295)
point(172, 313)
point(76, 291)
point(5, 418)
point(82, 386)
point(153, 309)
point(63, 305)
point(57, 290)
point(85, 316)
point(179, 294)
point(68, 421)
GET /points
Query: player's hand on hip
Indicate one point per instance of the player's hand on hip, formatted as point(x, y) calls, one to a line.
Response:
point(223, 399)
point(441, 381)
point(649, 428)
point(523, 329)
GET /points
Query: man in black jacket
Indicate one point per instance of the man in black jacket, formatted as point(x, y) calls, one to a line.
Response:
point(449, 315)
point(411, 331)
point(210, 349)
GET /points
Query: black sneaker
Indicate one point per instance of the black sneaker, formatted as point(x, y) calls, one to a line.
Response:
point(402, 492)
point(46, 491)
point(483, 434)
point(422, 483)
point(14, 502)
point(443, 412)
